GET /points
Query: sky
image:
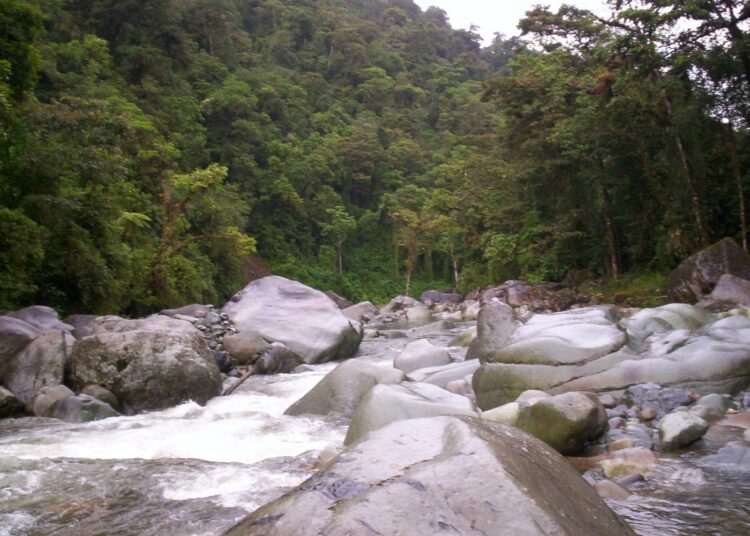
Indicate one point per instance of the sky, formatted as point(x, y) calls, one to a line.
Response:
point(497, 15)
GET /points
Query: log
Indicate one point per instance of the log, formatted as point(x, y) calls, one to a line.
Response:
point(229, 390)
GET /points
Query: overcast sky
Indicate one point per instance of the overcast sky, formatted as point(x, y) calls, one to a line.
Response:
point(497, 15)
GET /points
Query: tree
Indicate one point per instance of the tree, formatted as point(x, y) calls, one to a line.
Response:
point(339, 226)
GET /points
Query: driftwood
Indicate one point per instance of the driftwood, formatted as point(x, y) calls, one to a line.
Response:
point(229, 390)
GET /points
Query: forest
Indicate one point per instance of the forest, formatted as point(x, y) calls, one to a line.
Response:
point(151, 149)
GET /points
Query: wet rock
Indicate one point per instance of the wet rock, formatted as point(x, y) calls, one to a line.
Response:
point(697, 276)
point(719, 402)
point(47, 397)
point(244, 347)
point(465, 338)
point(361, 312)
point(623, 462)
point(629, 480)
point(150, 363)
point(277, 359)
point(384, 404)
point(100, 393)
point(640, 434)
point(340, 390)
point(677, 430)
point(445, 374)
point(606, 489)
point(495, 324)
point(421, 354)
point(81, 408)
point(608, 401)
point(15, 334)
point(657, 398)
point(304, 319)
point(734, 454)
point(565, 422)
point(9, 404)
point(619, 444)
point(430, 476)
point(222, 360)
point(40, 363)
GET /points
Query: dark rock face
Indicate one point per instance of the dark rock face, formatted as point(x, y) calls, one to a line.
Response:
point(537, 297)
point(697, 276)
point(81, 408)
point(277, 359)
point(82, 324)
point(302, 318)
point(442, 475)
point(9, 404)
point(342, 389)
point(341, 302)
point(151, 363)
point(652, 396)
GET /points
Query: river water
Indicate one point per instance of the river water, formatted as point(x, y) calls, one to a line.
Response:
point(194, 470)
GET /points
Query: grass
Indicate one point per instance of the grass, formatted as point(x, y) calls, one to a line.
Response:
point(643, 289)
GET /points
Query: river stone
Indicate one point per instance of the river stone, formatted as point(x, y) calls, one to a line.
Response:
point(505, 414)
point(83, 325)
point(421, 354)
point(361, 312)
point(302, 318)
point(650, 396)
point(565, 422)
point(277, 359)
point(635, 460)
point(495, 324)
point(442, 475)
point(100, 393)
point(465, 338)
point(470, 310)
point(341, 389)
point(47, 397)
point(697, 276)
point(399, 303)
point(731, 289)
point(42, 318)
point(384, 404)
point(41, 363)
point(606, 489)
point(418, 313)
point(81, 408)
point(9, 404)
point(151, 363)
point(734, 454)
point(244, 347)
point(445, 374)
point(15, 334)
point(677, 430)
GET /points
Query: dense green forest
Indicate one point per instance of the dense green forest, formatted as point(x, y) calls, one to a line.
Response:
point(147, 147)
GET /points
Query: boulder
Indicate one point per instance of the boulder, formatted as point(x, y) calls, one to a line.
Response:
point(302, 318)
point(340, 390)
point(421, 354)
point(384, 404)
point(443, 475)
point(697, 276)
point(418, 314)
point(628, 461)
point(42, 318)
point(47, 397)
point(41, 363)
point(707, 355)
point(361, 312)
point(470, 310)
point(9, 404)
point(341, 303)
point(195, 310)
point(435, 297)
point(677, 430)
point(445, 374)
point(15, 334)
point(606, 489)
point(731, 289)
point(150, 363)
point(277, 359)
point(82, 325)
point(465, 338)
point(100, 393)
point(81, 408)
point(399, 303)
point(566, 422)
point(495, 324)
point(244, 347)
point(505, 414)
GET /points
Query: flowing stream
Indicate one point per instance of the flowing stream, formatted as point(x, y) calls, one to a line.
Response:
point(193, 470)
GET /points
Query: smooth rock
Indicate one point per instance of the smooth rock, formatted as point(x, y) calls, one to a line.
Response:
point(465, 338)
point(15, 334)
point(399, 303)
point(81, 408)
point(361, 312)
point(40, 363)
point(340, 390)
point(277, 359)
point(100, 393)
point(731, 289)
point(445, 374)
point(735, 455)
point(384, 404)
point(341, 303)
point(82, 324)
point(419, 313)
point(565, 422)
point(151, 363)
point(195, 310)
point(629, 461)
point(531, 397)
point(42, 318)
point(657, 398)
point(442, 475)
point(606, 489)
point(495, 325)
point(302, 318)
point(421, 354)
point(505, 414)
point(677, 430)
point(47, 397)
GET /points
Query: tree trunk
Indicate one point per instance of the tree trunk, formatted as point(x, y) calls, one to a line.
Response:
point(734, 163)
point(408, 280)
point(454, 267)
point(613, 265)
point(340, 257)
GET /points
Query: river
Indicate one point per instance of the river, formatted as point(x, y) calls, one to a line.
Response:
point(195, 471)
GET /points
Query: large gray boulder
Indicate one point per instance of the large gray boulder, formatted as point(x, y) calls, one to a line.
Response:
point(731, 289)
point(244, 347)
point(277, 359)
point(41, 363)
point(340, 390)
point(81, 408)
point(15, 334)
point(302, 318)
point(445, 374)
point(151, 363)
point(441, 475)
point(42, 318)
point(697, 276)
point(495, 324)
point(384, 404)
point(421, 354)
point(674, 346)
point(46, 399)
point(566, 422)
